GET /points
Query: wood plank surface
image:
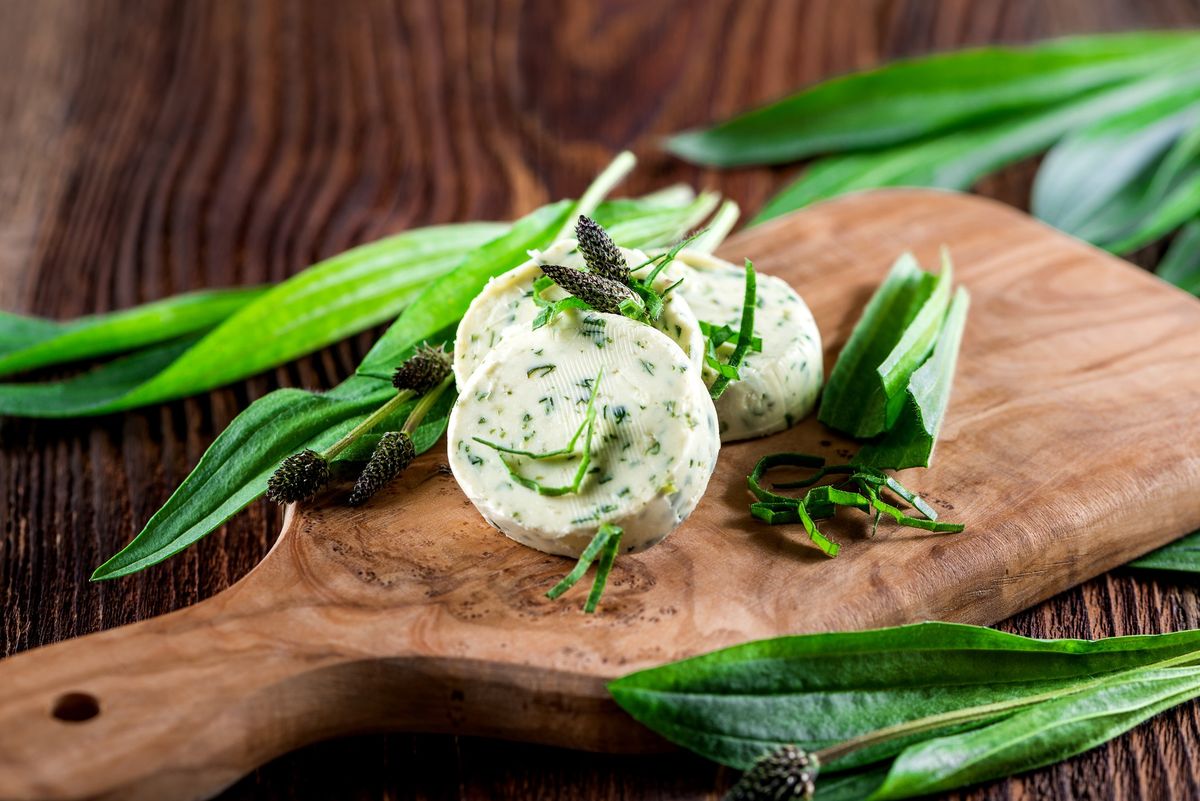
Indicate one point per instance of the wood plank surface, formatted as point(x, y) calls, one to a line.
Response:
point(150, 148)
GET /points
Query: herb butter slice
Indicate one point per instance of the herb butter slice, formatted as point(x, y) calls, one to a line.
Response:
point(778, 386)
point(505, 306)
point(651, 450)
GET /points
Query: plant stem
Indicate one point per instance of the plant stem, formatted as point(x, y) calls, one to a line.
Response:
point(612, 175)
point(720, 226)
point(376, 417)
point(424, 405)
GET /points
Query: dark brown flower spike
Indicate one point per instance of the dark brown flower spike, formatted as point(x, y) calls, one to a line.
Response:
point(424, 369)
point(600, 252)
point(602, 294)
point(391, 457)
point(786, 774)
point(298, 478)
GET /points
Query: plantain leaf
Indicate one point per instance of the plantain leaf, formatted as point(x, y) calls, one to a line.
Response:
point(917, 98)
point(321, 305)
point(819, 690)
point(909, 443)
point(1183, 556)
point(1041, 735)
point(29, 343)
point(957, 159)
point(1127, 179)
point(1181, 264)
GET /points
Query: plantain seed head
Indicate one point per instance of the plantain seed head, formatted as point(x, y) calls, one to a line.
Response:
point(602, 294)
point(424, 370)
point(391, 457)
point(298, 478)
point(600, 252)
point(786, 774)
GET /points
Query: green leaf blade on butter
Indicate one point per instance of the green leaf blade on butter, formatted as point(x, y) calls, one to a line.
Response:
point(863, 395)
point(910, 442)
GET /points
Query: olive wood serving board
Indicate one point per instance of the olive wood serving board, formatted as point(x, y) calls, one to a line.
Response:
point(1071, 445)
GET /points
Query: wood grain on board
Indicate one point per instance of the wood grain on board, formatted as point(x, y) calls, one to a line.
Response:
point(1068, 449)
point(148, 148)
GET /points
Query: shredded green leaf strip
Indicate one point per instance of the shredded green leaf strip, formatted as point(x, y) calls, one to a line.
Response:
point(745, 338)
point(606, 545)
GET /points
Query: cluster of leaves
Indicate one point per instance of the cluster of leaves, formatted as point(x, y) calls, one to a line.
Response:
point(235, 469)
point(861, 488)
point(891, 382)
point(913, 710)
point(1120, 115)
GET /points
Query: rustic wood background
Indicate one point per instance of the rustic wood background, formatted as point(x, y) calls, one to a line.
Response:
point(148, 148)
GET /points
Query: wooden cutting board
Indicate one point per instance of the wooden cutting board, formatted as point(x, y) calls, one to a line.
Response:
point(1071, 445)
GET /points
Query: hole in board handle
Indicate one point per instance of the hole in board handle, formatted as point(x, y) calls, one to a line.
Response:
point(76, 707)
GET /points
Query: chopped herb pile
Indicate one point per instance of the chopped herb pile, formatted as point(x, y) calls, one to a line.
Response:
point(862, 488)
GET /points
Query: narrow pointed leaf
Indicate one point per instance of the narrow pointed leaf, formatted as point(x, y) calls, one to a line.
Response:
point(29, 343)
point(909, 443)
point(958, 158)
point(1183, 556)
point(917, 98)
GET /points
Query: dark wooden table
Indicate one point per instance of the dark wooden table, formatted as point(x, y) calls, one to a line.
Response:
point(150, 148)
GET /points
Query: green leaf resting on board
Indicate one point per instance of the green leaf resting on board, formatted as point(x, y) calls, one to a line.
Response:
point(820, 690)
point(960, 157)
point(30, 343)
point(1041, 735)
point(321, 305)
point(921, 97)
point(864, 394)
point(909, 442)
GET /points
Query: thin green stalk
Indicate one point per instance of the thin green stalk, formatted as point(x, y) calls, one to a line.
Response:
point(718, 228)
point(605, 182)
point(424, 405)
point(374, 419)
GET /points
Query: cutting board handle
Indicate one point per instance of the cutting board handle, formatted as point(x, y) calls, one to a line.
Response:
point(177, 707)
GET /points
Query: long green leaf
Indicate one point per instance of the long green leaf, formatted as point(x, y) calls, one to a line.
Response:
point(29, 343)
point(1123, 180)
point(909, 443)
point(1042, 735)
point(958, 158)
point(817, 690)
point(1181, 264)
point(1183, 556)
point(864, 393)
point(234, 471)
point(925, 96)
point(321, 305)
